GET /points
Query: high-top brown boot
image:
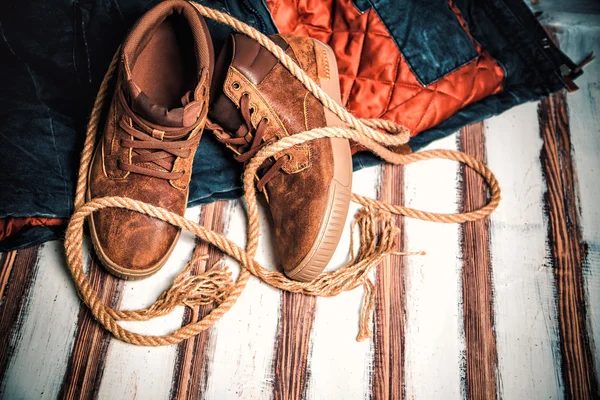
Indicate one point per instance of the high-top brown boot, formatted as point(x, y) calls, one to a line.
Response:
point(256, 100)
point(152, 130)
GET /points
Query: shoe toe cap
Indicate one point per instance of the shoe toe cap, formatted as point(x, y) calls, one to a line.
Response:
point(129, 244)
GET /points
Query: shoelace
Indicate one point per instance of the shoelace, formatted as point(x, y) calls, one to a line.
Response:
point(247, 141)
point(375, 222)
point(160, 147)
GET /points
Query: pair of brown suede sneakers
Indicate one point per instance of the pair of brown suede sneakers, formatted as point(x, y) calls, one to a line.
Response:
point(168, 86)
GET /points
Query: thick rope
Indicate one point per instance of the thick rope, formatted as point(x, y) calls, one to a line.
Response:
point(377, 228)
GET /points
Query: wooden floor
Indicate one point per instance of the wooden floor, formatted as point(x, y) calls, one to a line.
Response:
point(507, 307)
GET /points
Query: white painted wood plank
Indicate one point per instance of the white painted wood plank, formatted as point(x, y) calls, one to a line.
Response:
point(434, 329)
point(338, 365)
point(243, 340)
point(526, 320)
point(134, 372)
point(49, 324)
point(584, 117)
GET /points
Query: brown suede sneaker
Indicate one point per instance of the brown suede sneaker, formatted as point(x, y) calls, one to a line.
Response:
point(152, 130)
point(255, 101)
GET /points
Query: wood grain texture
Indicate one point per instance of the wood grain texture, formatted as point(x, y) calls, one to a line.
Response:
point(480, 339)
point(6, 263)
point(526, 321)
point(243, 340)
point(147, 372)
point(191, 363)
point(18, 268)
point(567, 250)
point(335, 325)
point(542, 255)
point(292, 346)
point(584, 127)
point(45, 332)
point(86, 362)
point(389, 316)
point(434, 347)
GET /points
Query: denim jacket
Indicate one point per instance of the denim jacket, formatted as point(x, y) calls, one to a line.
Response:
point(53, 56)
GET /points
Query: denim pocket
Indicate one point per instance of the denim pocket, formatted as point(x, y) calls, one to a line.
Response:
point(427, 33)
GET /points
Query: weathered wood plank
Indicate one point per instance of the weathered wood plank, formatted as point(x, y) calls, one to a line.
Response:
point(18, 269)
point(43, 341)
point(584, 125)
point(335, 353)
point(241, 364)
point(190, 366)
point(147, 372)
point(6, 262)
point(480, 340)
point(434, 334)
point(567, 249)
point(86, 362)
point(297, 375)
point(292, 347)
point(390, 312)
point(524, 310)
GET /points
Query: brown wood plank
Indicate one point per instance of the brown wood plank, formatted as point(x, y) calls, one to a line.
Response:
point(17, 275)
point(7, 261)
point(387, 379)
point(567, 249)
point(292, 345)
point(190, 366)
point(86, 362)
point(480, 338)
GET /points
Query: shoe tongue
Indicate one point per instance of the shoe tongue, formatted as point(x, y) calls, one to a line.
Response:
point(178, 117)
point(222, 110)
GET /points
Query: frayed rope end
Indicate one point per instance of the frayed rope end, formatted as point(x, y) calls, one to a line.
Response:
point(378, 233)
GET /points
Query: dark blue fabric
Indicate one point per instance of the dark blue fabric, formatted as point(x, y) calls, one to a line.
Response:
point(53, 55)
point(427, 31)
point(532, 64)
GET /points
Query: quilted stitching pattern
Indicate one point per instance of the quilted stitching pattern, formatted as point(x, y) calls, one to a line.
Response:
point(375, 79)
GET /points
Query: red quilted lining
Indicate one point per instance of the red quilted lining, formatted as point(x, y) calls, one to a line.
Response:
point(11, 226)
point(375, 79)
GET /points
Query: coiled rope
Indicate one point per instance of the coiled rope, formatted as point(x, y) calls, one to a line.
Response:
point(376, 226)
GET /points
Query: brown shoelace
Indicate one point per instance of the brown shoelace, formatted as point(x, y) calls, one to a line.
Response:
point(376, 222)
point(160, 147)
point(247, 141)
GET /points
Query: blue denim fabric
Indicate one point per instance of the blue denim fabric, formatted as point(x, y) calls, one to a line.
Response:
point(508, 30)
point(427, 31)
point(53, 56)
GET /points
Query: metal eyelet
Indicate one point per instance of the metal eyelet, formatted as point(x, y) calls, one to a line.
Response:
point(236, 86)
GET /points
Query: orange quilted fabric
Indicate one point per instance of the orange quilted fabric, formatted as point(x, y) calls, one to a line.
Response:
point(375, 79)
point(11, 226)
